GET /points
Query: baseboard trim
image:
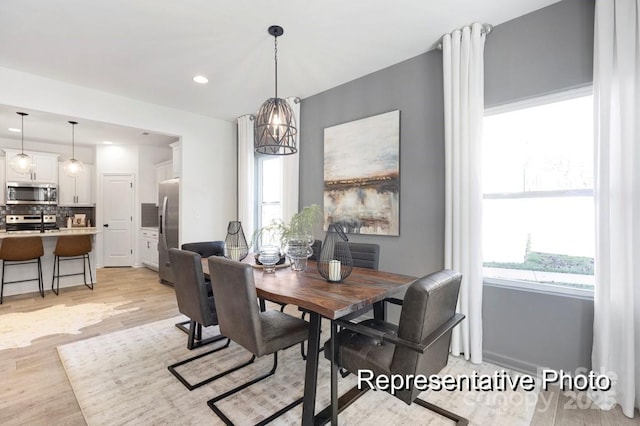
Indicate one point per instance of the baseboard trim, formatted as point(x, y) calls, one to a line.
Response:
point(511, 363)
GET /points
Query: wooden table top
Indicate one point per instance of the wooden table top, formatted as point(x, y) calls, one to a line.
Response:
point(308, 290)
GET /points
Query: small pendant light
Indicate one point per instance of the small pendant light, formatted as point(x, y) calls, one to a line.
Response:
point(21, 163)
point(73, 167)
point(275, 124)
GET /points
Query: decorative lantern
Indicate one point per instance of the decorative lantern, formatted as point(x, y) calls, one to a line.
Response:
point(335, 263)
point(235, 244)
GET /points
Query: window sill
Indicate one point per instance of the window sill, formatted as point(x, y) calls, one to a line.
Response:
point(550, 289)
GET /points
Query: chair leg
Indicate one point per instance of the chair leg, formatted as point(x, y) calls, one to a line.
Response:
point(56, 262)
point(90, 285)
point(212, 402)
point(2, 284)
point(460, 421)
point(40, 280)
point(172, 368)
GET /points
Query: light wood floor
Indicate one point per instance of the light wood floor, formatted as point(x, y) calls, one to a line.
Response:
point(34, 389)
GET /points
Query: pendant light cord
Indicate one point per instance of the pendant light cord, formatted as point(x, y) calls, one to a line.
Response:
point(275, 60)
point(22, 134)
point(73, 141)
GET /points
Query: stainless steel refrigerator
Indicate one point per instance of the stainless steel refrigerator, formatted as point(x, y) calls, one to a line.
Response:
point(168, 223)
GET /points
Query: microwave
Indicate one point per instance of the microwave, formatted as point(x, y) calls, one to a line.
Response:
point(32, 193)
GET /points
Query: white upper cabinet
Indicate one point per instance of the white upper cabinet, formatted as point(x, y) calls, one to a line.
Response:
point(75, 191)
point(177, 158)
point(44, 170)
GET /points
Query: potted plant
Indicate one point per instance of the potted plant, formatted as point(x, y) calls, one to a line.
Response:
point(295, 238)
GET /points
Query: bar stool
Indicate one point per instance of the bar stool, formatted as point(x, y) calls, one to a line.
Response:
point(21, 251)
point(72, 247)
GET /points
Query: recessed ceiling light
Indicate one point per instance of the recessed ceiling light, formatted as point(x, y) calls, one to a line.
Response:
point(107, 142)
point(13, 129)
point(201, 79)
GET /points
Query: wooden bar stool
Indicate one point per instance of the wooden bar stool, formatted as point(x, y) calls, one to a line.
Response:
point(72, 247)
point(21, 251)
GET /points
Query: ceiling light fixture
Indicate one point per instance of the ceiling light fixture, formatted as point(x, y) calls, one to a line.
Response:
point(21, 163)
point(201, 79)
point(15, 130)
point(73, 167)
point(107, 142)
point(275, 124)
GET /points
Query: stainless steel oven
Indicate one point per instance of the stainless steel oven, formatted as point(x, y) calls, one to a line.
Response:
point(32, 193)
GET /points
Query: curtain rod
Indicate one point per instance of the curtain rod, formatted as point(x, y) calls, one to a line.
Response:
point(486, 29)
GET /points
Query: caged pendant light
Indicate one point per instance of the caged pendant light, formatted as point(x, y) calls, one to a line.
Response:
point(73, 167)
point(275, 124)
point(21, 163)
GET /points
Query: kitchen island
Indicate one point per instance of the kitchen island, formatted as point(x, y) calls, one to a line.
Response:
point(49, 238)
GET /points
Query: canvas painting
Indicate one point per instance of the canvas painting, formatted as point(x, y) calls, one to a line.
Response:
point(362, 175)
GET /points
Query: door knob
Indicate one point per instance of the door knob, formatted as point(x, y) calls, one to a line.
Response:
point(106, 225)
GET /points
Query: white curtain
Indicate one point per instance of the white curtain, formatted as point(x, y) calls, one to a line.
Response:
point(463, 71)
point(616, 85)
point(291, 171)
point(246, 175)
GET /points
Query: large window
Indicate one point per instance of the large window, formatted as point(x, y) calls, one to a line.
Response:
point(538, 209)
point(269, 193)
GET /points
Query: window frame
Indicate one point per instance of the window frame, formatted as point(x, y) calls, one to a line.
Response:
point(259, 167)
point(532, 286)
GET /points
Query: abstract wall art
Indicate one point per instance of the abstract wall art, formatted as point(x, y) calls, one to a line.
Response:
point(362, 175)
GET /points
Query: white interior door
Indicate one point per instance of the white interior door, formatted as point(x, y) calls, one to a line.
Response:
point(117, 224)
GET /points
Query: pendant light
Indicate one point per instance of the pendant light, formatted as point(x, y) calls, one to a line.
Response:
point(21, 163)
point(275, 124)
point(73, 167)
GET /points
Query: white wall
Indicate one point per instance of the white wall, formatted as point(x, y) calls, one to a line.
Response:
point(208, 191)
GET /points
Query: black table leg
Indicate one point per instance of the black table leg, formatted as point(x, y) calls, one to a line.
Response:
point(334, 375)
point(380, 310)
point(311, 373)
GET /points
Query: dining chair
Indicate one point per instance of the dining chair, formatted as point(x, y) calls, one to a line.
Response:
point(204, 249)
point(240, 319)
point(195, 300)
point(364, 255)
point(418, 345)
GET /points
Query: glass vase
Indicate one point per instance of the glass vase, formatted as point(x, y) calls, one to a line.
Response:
point(298, 250)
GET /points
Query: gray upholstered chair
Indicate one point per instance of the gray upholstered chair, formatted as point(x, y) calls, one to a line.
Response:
point(204, 249)
point(365, 255)
point(418, 345)
point(261, 333)
point(195, 300)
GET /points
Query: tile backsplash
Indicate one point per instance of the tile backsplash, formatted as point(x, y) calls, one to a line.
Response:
point(60, 212)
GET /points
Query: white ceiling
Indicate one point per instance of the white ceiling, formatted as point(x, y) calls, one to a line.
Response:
point(150, 49)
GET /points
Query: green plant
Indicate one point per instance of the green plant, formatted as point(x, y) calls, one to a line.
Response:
point(302, 223)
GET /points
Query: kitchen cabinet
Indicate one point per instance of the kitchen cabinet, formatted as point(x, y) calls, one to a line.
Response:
point(75, 191)
point(149, 248)
point(177, 158)
point(164, 171)
point(44, 170)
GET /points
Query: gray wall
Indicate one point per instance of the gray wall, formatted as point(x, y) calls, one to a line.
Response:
point(415, 88)
point(546, 51)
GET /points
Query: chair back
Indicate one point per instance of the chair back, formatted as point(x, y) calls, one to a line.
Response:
point(21, 248)
point(428, 303)
point(192, 294)
point(72, 245)
point(235, 292)
point(365, 255)
point(206, 248)
point(316, 247)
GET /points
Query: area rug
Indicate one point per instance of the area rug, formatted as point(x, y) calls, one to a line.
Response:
point(122, 378)
point(19, 329)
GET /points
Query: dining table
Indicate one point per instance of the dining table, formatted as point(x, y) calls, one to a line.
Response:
point(362, 289)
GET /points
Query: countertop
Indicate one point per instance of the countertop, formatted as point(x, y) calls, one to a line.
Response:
point(50, 233)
